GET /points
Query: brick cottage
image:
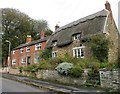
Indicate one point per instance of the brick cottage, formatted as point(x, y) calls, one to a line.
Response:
point(28, 53)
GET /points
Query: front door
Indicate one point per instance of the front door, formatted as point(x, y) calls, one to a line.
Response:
point(28, 60)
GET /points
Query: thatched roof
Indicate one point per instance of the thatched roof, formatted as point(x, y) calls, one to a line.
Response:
point(32, 43)
point(89, 25)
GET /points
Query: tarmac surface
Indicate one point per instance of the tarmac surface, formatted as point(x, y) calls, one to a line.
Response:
point(14, 86)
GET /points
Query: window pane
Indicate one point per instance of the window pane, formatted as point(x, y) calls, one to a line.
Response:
point(75, 52)
point(82, 53)
point(78, 52)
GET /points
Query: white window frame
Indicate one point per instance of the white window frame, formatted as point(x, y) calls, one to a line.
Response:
point(36, 59)
point(77, 50)
point(54, 54)
point(23, 60)
point(37, 46)
point(21, 50)
point(13, 61)
point(28, 49)
point(13, 52)
point(55, 43)
point(77, 36)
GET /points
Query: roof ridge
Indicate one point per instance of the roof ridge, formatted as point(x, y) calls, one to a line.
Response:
point(94, 15)
point(28, 43)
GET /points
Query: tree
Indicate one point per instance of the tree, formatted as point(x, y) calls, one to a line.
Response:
point(40, 26)
point(17, 25)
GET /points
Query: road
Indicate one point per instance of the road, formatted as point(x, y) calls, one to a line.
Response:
point(14, 86)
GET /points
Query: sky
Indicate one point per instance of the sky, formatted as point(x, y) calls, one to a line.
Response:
point(60, 12)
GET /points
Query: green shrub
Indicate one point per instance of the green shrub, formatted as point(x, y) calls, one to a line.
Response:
point(46, 54)
point(20, 69)
point(93, 77)
point(76, 71)
point(112, 66)
point(87, 63)
point(31, 68)
point(44, 64)
point(25, 68)
point(54, 62)
point(104, 65)
point(68, 58)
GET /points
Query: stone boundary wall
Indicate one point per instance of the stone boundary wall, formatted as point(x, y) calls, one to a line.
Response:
point(110, 79)
point(54, 76)
point(10, 70)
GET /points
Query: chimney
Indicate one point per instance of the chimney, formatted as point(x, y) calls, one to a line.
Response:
point(108, 7)
point(56, 27)
point(42, 35)
point(28, 39)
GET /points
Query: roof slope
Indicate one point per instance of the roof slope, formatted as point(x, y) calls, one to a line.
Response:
point(32, 43)
point(91, 24)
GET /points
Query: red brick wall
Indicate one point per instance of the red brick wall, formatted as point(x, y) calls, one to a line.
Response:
point(18, 55)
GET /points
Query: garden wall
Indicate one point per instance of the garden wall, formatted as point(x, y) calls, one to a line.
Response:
point(54, 76)
point(110, 79)
point(10, 70)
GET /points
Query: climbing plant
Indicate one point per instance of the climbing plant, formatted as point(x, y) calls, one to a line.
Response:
point(99, 46)
point(46, 54)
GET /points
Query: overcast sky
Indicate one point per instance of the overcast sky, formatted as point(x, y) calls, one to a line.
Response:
point(60, 11)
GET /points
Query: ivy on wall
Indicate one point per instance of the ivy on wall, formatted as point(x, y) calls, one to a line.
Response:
point(99, 45)
point(46, 54)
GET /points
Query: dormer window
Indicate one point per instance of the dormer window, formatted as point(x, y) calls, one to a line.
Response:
point(28, 49)
point(38, 46)
point(13, 52)
point(22, 50)
point(77, 36)
point(54, 43)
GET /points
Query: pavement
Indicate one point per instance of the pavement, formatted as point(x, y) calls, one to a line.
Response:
point(49, 85)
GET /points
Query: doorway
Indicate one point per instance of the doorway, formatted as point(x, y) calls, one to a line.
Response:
point(28, 60)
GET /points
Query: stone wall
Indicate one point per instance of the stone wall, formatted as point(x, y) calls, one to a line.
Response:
point(110, 79)
point(61, 51)
point(54, 76)
point(10, 70)
point(113, 37)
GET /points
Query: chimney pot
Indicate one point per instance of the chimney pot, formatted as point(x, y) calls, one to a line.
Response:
point(107, 6)
point(42, 35)
point(29, 39)
point(56, 27)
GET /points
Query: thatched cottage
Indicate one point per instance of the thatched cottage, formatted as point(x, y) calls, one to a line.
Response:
point(68, 39)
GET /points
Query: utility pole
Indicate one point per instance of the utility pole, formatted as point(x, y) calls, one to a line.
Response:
point(8, 55)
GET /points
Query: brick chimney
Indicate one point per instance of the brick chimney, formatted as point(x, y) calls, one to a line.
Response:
point(42, 35)
point(28, 39)
point(56, 27)
point(108, 7)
